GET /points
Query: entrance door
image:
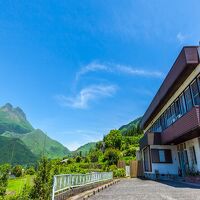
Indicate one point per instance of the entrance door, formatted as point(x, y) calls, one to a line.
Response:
point(183, 161)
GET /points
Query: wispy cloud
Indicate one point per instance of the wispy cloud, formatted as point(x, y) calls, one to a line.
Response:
point(86, 95)
point(92, 67)
point(138, 72)
point(117, 68)
point(181, 37)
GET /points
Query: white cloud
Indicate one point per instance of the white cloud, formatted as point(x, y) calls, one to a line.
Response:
point(117, 68)
point(92, 67)
point(72, 146)
point(137, 72)
point(86, 95)
point(181, 37)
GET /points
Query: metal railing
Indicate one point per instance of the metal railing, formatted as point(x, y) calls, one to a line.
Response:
point(64, 182)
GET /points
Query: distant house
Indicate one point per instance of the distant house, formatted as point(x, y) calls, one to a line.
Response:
point(171, 124)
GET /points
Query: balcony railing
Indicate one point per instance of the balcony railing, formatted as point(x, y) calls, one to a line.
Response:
point(184, 127)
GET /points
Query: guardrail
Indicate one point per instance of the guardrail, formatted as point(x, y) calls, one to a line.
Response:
point(65, 182)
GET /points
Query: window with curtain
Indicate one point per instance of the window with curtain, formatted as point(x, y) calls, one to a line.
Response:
point(161, 156)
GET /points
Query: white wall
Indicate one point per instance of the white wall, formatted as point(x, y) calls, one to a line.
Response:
point(194, 142)
point(166, 168)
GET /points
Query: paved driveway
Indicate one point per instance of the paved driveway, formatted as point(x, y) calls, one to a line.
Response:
point(137, 189)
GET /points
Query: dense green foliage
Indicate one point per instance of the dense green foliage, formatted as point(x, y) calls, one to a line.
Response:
point(85, 149)
point(113, 139)
point(4, 170)
point(103, 156)
point(17, 170)
point(14, 151)
point(131, 128)
point(43, 181)
point(20, 143)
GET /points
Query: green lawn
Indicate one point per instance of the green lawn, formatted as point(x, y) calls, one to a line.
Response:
point(15, 185)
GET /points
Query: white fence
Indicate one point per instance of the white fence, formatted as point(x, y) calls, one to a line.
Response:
point(64, 182)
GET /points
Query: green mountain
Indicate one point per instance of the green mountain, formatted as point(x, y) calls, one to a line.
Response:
point(30, 143)
point(38, 142)
point(85, 148)
point(130, 126)
point(13, 120)
point(14, 151)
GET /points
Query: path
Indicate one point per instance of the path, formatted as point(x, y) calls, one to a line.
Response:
point(137, 189)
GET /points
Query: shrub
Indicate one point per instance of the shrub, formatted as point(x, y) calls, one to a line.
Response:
point(4, 170)
point(30, 171)
point(131, 151)
point(119, 173)
point(78, 159)
point(113, 167)
point(94, 155)
point(17, 170)
point(113, 139)
point(111, 156)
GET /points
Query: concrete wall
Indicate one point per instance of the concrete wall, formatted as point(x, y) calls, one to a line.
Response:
point(166, 168)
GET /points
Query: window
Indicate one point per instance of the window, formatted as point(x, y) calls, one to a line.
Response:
point(198, 81)
point(188, 99)
point(147, 162)
point(182, 104)
point(161, 156)
point(199, 142)
point(195, 93)
point(177, 108)
point(173, 115)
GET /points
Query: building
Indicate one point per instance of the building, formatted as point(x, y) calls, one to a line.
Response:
point(171, 124)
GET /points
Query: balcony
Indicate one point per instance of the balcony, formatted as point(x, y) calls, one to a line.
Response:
point(151, 138)
point(185, 128)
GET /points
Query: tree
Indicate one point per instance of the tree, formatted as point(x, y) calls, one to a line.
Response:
point(30, 171)
point(43, 181)
point(4, 174)
point(17, 170)
point(78, 159)
point(94, 155)
point(113, 139)
point(111, 156)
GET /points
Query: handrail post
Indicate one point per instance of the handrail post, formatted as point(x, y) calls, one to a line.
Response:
point(53, 191)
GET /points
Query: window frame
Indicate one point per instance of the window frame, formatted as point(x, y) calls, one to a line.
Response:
point(155, 152)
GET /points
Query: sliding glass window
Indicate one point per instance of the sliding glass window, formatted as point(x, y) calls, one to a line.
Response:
point(188, 99)
point(182, 104)
point(195, 93)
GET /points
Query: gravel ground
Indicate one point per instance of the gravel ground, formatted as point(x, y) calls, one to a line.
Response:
point(137, 189)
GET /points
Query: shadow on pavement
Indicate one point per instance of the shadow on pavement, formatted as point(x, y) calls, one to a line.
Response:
point(179, 184)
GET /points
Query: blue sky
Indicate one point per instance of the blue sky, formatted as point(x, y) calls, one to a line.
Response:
point(81, 68)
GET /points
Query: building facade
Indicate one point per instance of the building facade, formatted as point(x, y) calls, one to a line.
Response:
point(171, 142)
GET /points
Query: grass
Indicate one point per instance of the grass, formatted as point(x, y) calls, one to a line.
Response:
point(15, 185)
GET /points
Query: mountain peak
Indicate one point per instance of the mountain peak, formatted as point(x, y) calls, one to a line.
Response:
point(20, 112)
point(13, 120)
point(8, 107)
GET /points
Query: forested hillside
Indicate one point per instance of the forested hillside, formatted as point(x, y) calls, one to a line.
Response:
point(21, 143)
